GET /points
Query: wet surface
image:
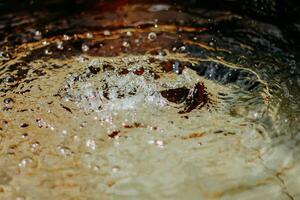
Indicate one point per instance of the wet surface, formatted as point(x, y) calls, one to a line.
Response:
point(147, 101)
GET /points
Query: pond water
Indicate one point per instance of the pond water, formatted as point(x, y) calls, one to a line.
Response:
point(147, 101)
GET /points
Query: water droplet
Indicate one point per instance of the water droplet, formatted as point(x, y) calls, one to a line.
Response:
point(9, 79)
point(84, 47)
point(159, 7)
point(182, 48)
point(48, 52)
point(65, 151)
point(60, 45)
point(35, 146)
point(115, 169)
point(91, 144)
point(106, 33)
point(137, 41)
point(159, 143)
point(8, 100)
point(126, 44)
point(45, 43)
point(38, 33)
point(152, 36)
point(129, 33)
point(66, 37)
point(176, 67)
point(20, 198)
point(89, 35)
point(28, 162)
point(151, 141)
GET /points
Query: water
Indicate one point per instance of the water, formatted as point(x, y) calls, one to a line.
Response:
point(147, 101)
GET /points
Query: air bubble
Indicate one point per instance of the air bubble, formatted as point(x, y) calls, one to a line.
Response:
point(28, 162)
point(176, 67)
point(152, 36)
point(85, 48)
point(35, 146)
point(8, 101)
point(37, 35)
point(91, 144)
point(115, 169)
point(65, 151)
point(48, 52)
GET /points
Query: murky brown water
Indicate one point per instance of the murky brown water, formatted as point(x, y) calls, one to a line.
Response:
point(147, 101)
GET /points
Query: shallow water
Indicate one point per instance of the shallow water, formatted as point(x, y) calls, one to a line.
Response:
point(147, 101)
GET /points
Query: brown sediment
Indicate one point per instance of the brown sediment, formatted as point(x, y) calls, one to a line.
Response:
point(177, 95)
point(134, 125)
point(197, 98)
point(123, 71)
point(154, 74)
point(107, 67)
point(192, 136)
point(94, 70)
point(139, 71)
point(114, 134)
point(166, 66)
point(66, 108)
point(24, 125)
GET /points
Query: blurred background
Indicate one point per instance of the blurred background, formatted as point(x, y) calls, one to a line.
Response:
point(282, 13)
